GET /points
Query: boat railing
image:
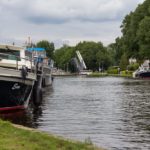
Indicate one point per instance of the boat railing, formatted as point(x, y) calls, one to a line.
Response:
point(18, 59)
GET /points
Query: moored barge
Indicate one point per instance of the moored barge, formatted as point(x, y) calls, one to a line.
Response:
point(17, 78)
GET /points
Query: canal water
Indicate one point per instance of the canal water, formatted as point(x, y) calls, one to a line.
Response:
point(113, 113)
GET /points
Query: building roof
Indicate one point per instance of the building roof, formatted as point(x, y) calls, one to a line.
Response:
point(35, 49)
point(11, 47)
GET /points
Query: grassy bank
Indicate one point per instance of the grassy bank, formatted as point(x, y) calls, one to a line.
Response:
point(97, 74)
point(19, 138)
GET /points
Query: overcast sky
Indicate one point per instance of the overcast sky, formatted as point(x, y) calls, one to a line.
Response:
point(68, 21)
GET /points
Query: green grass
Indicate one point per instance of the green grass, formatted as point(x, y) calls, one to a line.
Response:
point(122, 74)
point(14, 138)
point(97, 74)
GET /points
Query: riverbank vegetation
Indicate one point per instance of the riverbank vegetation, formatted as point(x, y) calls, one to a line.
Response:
point(94, 55)
point(19, 138)
point(122, 74)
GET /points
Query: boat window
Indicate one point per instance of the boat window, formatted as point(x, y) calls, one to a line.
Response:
point(9, 54)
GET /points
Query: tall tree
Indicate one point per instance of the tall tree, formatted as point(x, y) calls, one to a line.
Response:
point(135, 33)
point(49, 47)
point(143, 36)
point(63, 56)
point(94, 54)
point(123, 62)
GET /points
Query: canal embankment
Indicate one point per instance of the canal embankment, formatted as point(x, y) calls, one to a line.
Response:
point(127, 74)
point(122, 74)
point(14, 137)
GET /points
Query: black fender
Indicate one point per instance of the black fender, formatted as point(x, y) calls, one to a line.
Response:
point(37, 96)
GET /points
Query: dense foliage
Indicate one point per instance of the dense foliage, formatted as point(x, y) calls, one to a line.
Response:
point(135, 40)
point(63, 57)
point(94, 54)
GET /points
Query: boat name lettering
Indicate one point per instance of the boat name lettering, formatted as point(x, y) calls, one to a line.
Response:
point(16, 86)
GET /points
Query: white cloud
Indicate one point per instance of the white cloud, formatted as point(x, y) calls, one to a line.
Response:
point(72, 20)
point(60, 11)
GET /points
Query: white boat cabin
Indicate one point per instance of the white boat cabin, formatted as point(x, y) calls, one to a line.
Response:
point(145, 66)
point(13, 57)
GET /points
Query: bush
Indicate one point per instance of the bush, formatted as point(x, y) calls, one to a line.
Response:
point(133, 67)
point(125, 72)
point(97, 74)
point(113, 70)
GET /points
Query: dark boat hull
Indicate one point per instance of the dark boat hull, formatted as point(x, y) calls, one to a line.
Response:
point(14, 95)
point(143, 75)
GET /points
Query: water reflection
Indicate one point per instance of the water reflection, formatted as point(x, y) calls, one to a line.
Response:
point(23, 117)
point(113, 112)
point(135, 114)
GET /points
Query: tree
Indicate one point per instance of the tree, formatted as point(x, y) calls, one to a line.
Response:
point(93, 54)
point(49, 47)
point(135, 33)
point(123, 62)
point(143, 35)
point(63, 56)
